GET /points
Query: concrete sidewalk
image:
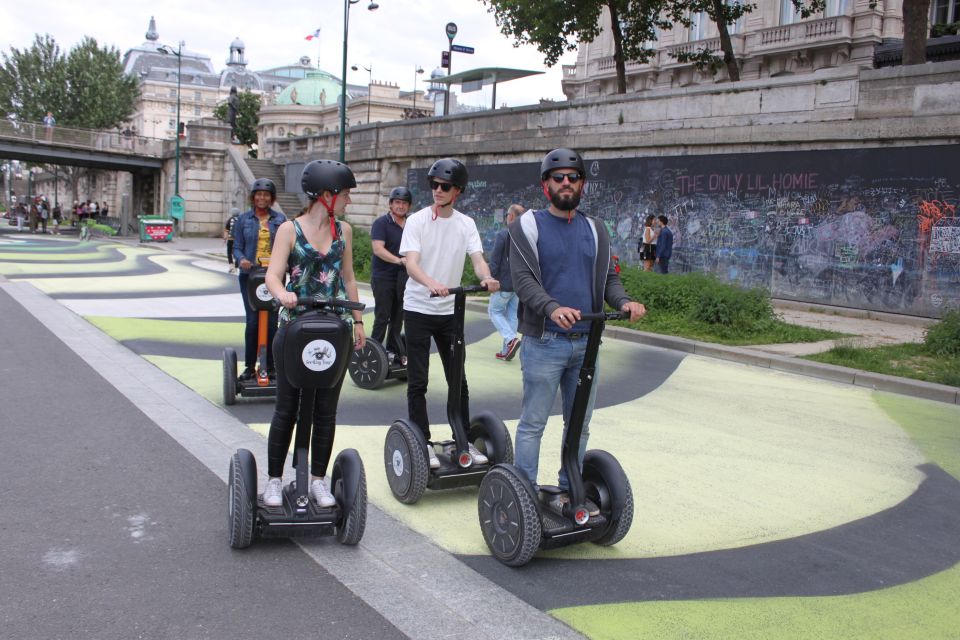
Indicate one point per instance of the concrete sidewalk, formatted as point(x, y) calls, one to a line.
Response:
point(868, 328)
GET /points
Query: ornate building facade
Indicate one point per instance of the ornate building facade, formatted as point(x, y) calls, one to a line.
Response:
point(771, 41)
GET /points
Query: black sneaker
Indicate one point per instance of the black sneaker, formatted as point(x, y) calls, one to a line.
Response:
point(247, 375)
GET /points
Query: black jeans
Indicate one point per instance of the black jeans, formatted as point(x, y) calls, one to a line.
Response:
point(324, 423)
point(663, 265)
point(388, 311)
point(231, 259)
point(420, 328)
point(250, 331)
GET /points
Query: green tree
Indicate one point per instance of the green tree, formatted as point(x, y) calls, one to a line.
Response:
point(248, 118)
point(915, 17)
point(85, 88)
point(558, 26)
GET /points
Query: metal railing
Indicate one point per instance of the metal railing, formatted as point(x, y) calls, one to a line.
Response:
point(88, 139)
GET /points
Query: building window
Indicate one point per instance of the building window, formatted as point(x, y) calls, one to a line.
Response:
point(173, 93)
point(196, 109)
point(737, 25)
point(171, 124)
point(788, 13)
point(945, 11)
point(698, 25)
point(281, 132)
point(172, 108)
point(835, 8)
point(197, 96)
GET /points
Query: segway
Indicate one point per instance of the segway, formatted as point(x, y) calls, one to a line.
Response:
point(373, 365)
point(516, 520)
point(315, 354)
point(405, 448)
point(261, 386)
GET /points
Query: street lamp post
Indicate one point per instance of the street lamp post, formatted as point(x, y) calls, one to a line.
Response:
point(169, 51)
point(369, 71)
point(417, 71)
point(373, 6)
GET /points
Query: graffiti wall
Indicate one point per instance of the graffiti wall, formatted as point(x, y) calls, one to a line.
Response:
point(872, 229)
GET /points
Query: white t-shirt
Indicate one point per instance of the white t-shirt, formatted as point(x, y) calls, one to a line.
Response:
point(443, 244)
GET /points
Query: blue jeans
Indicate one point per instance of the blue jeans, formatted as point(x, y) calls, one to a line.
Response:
point(503, 314)
point(549, 363)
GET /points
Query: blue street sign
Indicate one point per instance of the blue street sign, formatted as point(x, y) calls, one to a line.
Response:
point(459, 48)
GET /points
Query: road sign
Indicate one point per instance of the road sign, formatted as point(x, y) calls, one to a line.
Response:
point(445, 59)
point(459, 48)
point(451, 30)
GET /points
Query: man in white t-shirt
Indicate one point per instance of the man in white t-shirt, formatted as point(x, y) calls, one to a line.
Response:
point(435, 241)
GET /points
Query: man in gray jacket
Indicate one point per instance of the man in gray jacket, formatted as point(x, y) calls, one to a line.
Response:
point(561, 264)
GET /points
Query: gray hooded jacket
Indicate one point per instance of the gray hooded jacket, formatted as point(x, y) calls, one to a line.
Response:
point(535, 303)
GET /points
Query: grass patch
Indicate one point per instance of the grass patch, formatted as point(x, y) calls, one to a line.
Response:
point(904, 360)
point(700, 307)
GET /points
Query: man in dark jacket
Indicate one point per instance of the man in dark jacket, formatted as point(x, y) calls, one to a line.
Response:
point(561, 264)
point(664, 246)
point(503, 304)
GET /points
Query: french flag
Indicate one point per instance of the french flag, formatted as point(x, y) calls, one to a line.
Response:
point(315, 34)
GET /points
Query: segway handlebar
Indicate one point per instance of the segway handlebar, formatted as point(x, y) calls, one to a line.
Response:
point(470, 288)
point(320, 302)
point(603, 315)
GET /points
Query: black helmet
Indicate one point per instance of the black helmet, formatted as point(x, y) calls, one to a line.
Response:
point(450, 169)
point(561, 159)
point(401, 193)
point(326, 175)
point(263, 184)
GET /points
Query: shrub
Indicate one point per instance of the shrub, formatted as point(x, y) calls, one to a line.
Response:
point(362, 254)
point(943, 338)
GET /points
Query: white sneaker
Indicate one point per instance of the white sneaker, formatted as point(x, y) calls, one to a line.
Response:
point(273, 494)
point(434, 460)
point(478, 458)
point(321, 494)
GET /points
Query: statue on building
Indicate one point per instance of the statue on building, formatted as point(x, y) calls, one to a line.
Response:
point(233, 108)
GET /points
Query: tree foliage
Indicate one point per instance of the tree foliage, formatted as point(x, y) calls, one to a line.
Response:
point(557, 26)
point(84, 88)
point(248, 117)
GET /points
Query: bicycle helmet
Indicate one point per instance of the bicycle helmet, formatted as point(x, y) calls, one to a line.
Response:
point(561, 159)
point(263, 184)
point(326, 175)
point(401, 193)
point(450, 169)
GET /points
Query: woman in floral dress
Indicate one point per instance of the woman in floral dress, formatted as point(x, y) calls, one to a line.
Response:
point(316, 251)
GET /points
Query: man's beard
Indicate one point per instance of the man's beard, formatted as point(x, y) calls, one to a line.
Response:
point(567, 202)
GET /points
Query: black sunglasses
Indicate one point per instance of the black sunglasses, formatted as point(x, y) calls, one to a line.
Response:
point(573, 177)
point(444, 186)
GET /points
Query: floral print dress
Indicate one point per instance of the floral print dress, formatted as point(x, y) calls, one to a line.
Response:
point(313, 273)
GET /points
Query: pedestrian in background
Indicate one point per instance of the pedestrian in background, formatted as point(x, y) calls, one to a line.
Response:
point(648, 244)
point(48, 122)
point(502, 307)
point(664, 246)
point(228, 229)
point(389, 273)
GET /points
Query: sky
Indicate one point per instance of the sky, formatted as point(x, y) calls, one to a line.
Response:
point(393, 40)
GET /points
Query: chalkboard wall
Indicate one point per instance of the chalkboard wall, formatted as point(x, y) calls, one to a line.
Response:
point(865, 228)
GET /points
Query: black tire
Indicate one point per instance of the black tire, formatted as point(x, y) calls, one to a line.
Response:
point(229, 376)
point(242, 498)
point(349, 487)
point(509, 518)
point(489, 435)
point(368, 366)
point(608, 486)
point(406, 463)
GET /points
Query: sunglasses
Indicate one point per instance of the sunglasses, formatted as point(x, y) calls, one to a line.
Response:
point(573, 177)
point(443, 186)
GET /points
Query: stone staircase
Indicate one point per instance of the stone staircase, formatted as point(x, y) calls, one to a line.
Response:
point(288, 202)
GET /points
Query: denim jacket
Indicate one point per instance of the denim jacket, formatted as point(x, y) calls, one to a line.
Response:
point(246, 230)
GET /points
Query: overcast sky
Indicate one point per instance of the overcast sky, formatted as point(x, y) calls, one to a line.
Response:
point(393, 39)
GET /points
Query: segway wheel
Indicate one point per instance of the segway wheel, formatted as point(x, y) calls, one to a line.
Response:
point(607, 485)
point(509, 519)
point(242, 497)
point(489, 435)
point(229, 376)
point(368, 366)
point(406, 462)
point(349, 485)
